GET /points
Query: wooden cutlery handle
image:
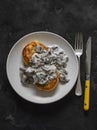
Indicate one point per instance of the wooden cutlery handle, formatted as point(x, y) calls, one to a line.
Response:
point(87, 95)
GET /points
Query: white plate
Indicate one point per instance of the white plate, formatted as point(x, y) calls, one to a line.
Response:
point(14, 61)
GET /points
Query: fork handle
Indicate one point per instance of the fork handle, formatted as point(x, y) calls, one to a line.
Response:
point(78, 89)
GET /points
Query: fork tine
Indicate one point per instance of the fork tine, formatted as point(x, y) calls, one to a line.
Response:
point(76, 40)
point(75, 45)
point(79, 37)
point(81, 41)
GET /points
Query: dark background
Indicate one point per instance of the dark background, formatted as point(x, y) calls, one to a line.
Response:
point(64, 17)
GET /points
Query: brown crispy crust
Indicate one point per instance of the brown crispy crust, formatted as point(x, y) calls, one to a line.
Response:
point(29, 50)
point(51, 85)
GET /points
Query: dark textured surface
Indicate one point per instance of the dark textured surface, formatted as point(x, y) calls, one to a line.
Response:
point(20, 17)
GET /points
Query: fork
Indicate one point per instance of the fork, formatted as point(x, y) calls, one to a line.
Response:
point(78, 51)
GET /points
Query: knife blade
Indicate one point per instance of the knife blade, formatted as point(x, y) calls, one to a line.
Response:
point(88, 73)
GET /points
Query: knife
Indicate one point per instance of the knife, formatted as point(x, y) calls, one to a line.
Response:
point(88, 73)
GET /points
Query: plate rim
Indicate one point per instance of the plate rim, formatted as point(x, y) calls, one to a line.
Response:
point(38, 32)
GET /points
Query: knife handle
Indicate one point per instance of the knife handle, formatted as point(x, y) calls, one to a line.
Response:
point(87, 95)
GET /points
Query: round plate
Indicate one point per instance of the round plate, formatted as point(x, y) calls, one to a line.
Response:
point(32, 94)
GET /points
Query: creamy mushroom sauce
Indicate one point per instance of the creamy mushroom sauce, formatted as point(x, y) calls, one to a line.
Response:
point(44, 65)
